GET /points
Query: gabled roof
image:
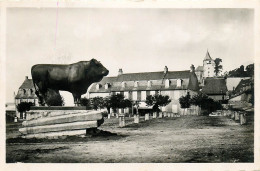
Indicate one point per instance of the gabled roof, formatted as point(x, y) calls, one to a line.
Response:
point(207, 57)
point(153, 76)
point(243, 83)
point(27, 84)
point(232, 82)
point(214, 86)
point(157, 81)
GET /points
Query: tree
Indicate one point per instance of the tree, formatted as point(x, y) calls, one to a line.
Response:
point(205, 103)
point(24, 106)
point(55, 100)
point(107, 103)
point(217, 67)
point(115, 101)
point(157, 101)
point(85, 102)
point(185, 101)
point(97, 103)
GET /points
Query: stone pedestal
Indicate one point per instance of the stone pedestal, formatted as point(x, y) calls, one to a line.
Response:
point(136, 118)
point(242, 118)
point(15, 119)
point(160, 115)
point(108, 116)
point(121, 120)
point(146, 117)
point(154, 114)
point(53, 122)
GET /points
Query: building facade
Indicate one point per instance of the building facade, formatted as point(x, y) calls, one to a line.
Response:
point(136, 86)
point(26, 93)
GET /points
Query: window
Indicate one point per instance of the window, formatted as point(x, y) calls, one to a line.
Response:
point(107, 85)
point(149, 84)
point(167, 83)
point(123, 84)
point(143, 95)
point(136, 84)
point(97, 86)
point(179, 83)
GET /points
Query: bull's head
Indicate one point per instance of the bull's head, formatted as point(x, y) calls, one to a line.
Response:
point(96, 70)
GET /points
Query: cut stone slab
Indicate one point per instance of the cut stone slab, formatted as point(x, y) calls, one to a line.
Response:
point(59, 127)
point(52, 135)
point(65, 118)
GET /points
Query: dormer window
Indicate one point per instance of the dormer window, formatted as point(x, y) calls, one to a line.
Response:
point(167, 83)
point(179, 82)
point(136, 84)
point(123, 84)
point(107, 85)
point(97, 86)
point(24, 91)
point(149, 84)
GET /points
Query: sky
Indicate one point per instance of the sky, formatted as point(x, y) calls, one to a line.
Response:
point(136, 40)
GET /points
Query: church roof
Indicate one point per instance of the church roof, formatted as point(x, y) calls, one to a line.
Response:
point(216, 86)
point(207, 57)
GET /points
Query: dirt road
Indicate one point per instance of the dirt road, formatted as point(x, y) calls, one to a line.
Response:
point(184, 139)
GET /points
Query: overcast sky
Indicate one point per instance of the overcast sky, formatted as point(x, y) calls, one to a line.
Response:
point(137, 40)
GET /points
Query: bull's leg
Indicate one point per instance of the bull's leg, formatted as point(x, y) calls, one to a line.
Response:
point(76, 97)
point(41, 93)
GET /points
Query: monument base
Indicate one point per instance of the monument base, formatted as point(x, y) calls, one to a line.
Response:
point(42, 122)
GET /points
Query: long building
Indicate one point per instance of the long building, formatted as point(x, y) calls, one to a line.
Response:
point(136, 86)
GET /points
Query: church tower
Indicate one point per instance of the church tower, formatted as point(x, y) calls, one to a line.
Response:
point(208, 66)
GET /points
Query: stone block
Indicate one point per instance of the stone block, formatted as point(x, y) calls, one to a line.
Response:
point(154, 114)
point(136, 118)
point(59, 127)
point(54, 135)
point(66, 118)
point(146, 117)
point(121, 120)
point(160, 115)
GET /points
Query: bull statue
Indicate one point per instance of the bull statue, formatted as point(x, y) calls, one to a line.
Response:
point(74, 78)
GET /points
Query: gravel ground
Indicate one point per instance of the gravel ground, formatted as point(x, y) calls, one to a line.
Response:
point(168, 140)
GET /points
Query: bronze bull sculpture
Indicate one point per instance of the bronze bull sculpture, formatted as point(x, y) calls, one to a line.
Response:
point(74, 78)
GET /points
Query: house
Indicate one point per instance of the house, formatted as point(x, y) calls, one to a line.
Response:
point(232, 82)
point(136, 86)
point(215, 88)
point(26, 93)
point(242, 94)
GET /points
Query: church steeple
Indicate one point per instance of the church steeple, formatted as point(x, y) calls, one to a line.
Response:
point(207, 57)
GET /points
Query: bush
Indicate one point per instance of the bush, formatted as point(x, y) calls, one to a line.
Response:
point(54, 99)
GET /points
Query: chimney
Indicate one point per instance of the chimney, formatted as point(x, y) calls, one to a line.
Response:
point(165, 69)
point(26, 77)
point(192, 68)
point(120, 71)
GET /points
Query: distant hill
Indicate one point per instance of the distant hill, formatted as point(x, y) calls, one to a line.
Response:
point(242, 71)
